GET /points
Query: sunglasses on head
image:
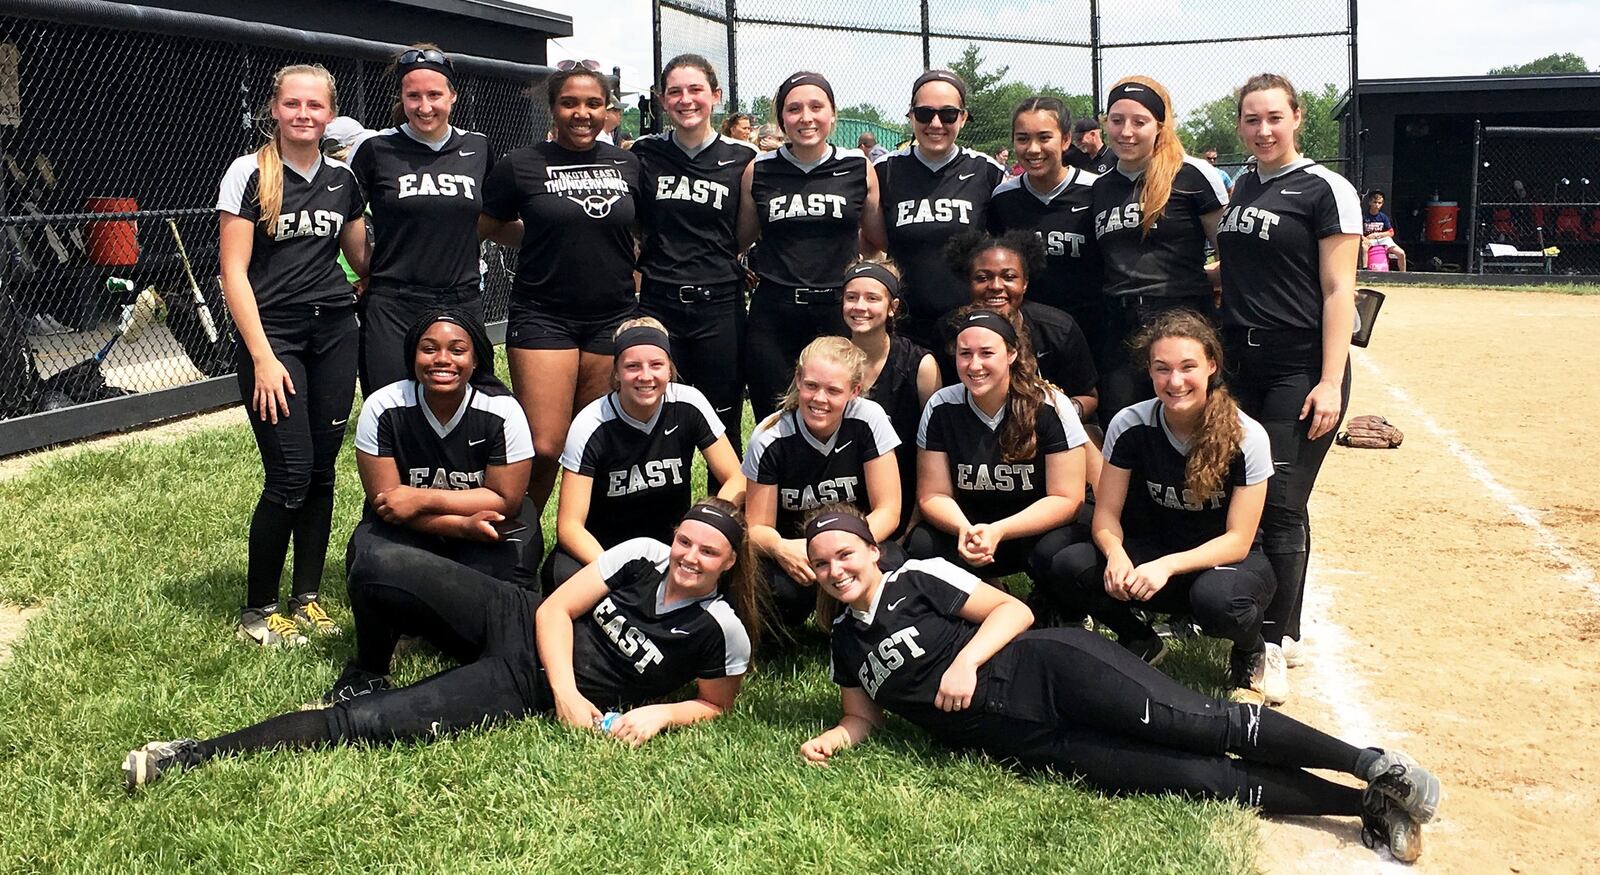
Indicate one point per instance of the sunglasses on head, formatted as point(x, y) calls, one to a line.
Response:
point(431, 56)
point(947, 114)
point(589, 64)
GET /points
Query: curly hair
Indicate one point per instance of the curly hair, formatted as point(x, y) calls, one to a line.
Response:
point(964, 248)
point(1019, 439)
point(1217, 438)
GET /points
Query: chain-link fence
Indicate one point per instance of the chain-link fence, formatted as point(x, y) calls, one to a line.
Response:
point(112, 145)
point(1535, 201)
point(1010, 49)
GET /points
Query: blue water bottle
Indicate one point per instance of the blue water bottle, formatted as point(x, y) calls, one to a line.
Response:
point(604, 721)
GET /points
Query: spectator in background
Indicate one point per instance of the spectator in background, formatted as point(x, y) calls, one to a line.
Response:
point(1376, 228)
point(740, 126)
point(1210, 155)
point(1003, 155)
point(768, 137)
point(1089, 150)
point(868, 144)
point(608, 126)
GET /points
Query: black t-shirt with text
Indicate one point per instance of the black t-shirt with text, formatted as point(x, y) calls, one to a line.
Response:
point(810, 217)
point(294, 261)
point(689, 208)
point(1170, 262)
point(923, 206)
point(809, 472)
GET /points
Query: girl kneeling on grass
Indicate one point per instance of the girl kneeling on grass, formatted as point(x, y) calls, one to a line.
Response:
point(641, 621)
point(953, 655)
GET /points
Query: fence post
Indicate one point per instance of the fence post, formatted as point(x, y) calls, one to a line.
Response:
point(1472, 209)
point(733, 57)
point(1355, 102)
point(927, 42)
point(1094, 55)
point(655, 36)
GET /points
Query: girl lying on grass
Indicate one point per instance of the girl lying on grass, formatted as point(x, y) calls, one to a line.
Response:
point(641, 621)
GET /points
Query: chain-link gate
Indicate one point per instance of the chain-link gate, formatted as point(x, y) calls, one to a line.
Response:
point(112, 145)
point(1010, 49)
point(1535, 201)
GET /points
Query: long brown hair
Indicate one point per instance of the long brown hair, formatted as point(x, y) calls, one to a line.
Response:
point(738, 584)
point(837, 350)
point(1216, 440)
point(269, 158)
point(1155, 184)
point(1019, 440)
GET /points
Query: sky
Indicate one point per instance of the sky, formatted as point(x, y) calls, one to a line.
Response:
point(1396, 38)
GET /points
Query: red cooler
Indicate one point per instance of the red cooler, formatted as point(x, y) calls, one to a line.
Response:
point(1439, 219)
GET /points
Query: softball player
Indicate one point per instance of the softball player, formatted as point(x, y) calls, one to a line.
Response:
point(285, 213)
point(1153, 216)
point(942, 649)
point(444, 456)
point(1053, 201)
point(1176, 511)
point(424, 180)
point(569, 205)
point(637, 624)
point(1000, 472)
point(1290, 238)
point(929, 191)
point(629, 454)
point(809, 203)
point(899, 375)
point(692, 280)
point(824, 444)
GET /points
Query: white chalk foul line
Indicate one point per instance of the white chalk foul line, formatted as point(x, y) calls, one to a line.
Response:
point(1578, 571)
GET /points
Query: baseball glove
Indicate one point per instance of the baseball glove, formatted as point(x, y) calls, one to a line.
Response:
point(1370, 433)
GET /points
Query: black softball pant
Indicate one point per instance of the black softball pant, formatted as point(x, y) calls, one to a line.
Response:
point(387, 313)
point(1271, 373)
point(558, 569)
point(510, 559)
point(1228, 601)
point(1075, 701)
point(485, 624)
point(318, 347)
point(707, 343)
point(1124, 381)
point(778, 328)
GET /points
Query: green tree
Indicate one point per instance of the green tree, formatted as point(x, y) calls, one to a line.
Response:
point(991, 100)
point(868, 113)
point(1215, 125)
point(1560, 62)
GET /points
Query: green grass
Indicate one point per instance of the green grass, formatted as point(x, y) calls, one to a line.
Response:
point(138, 556)
point(1487, 284)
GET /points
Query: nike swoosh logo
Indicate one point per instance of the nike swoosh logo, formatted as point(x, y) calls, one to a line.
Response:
point(966, 176)
point(671, 430)
point(1287, 191)
point(1131, 88)
point(723, 409)
point(340, 421)
point(828, 521)
point(335, 187)
point(466, 154)
point(481, 440)
point(1080, 209)
point(615, 161)
point(840, 172)
point(727, 162)
point(840, 448)
point(896, 603)
point(1146, 719)
point(676, 631)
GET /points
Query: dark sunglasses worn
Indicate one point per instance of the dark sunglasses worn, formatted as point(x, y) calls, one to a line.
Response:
point(431, 56)
point(589, 64)
point(947, 114)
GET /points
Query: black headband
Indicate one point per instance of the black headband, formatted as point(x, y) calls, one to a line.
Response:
point(796, 81)
point(641, 335)
point(839, 522)
point(1143, 95)
point(940, 76)
point(991, 320)
point(719, 520)
point(444, 70)
point(875, 271)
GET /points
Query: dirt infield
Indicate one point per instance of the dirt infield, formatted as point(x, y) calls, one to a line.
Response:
point(1454, 608)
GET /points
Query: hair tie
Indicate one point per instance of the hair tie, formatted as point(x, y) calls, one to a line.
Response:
point(1143, 95)
point(875, 271)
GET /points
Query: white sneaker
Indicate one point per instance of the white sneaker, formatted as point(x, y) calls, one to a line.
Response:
point(1293, 655)
point(1275, 676)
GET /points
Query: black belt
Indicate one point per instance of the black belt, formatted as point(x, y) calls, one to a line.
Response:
point(1135, 302)
point(816, 296)
point(694, 294)
point(1258, 337)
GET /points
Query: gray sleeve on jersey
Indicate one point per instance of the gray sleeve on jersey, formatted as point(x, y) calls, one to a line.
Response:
point(1343, 215)
point(1213, 176)
point(760, 439)
point(367, 426)
point(950, 573)
point(231, 196)
point(583, 427)
point(922, 425)
point(519, 440)
point(370, 436)
point(1257, 451)
point(1125, 419)
point(612, 560)
point(1068, 414)
point(735, 640)
point(883, 434)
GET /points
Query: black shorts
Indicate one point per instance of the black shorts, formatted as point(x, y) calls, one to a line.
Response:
point(530, 326)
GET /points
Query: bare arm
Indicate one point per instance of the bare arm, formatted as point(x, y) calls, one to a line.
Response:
point(353, 243)
point(761, 513)
point(723, 463)
point(874, 238)
point(1110, 493)
point(499, 231)
point(712, 697)
point(861, 717)
point(749, 225)
point(935, 494)
point(553, 634)
point(1324, 403)
point(1244, 517)
point(927, 382)
point(883, 495)
point(269, 399)
point(1000, 618)
point(572, 514)
point(1064, 486)
point(446, 512)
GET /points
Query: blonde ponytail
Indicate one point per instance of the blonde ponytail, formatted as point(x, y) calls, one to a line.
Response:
point(1156, 182)
point(269, 158)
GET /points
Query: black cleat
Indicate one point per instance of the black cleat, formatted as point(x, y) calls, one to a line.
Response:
point(1413, 788)
point(144, 765)
point(1384, 822)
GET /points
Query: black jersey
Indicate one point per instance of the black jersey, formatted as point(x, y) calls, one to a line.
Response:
point(689, 209)
point(1100, 162)
point(895, 390)
point(1060, 349)
point(425, 200)
point(1064, 221)
point(640, 469)
point(1268, 242)
point(577, 210)
point(924, 205)
point(984, 485)
point(810, 216)
point(810, 473)
point(898, 650)
point(295, 260)
point(632, 646)
point(397, 423)
point(1171, 261)
point(1159, 505)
